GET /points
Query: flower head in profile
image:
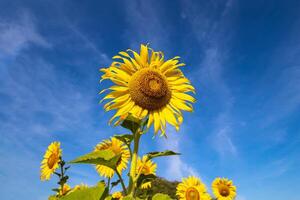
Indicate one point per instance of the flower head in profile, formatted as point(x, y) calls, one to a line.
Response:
point(117, 195)
point(147, 85)
point(223, 189)
point(118, 148)
point(146, 167)
point(51, 160)
point(192, 188)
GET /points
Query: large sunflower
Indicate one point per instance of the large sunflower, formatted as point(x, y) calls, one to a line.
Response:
point(117, 147)
point(51, 160)
point(192, 188)
point(223, 189)
point(146, 167)
point(147, 85)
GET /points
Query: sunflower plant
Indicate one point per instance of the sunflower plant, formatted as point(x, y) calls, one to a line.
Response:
point(148, 92)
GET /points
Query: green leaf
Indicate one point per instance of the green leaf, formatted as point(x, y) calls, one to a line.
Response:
point(144, 178)
point(131, 198)
point(104, 157)
point(162, 153)
point(126, 138)
point(91, 193)
point(160, 196)
point(53, 197)
point(131, 123)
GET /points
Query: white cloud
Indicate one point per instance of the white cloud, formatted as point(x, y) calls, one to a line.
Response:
point(17, 34)
point(215, 35)
point(176, 168)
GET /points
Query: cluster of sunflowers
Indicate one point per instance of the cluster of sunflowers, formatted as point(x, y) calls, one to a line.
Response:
point(148, 92)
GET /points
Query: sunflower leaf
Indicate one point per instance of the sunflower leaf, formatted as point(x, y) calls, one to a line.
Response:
point(155, 154)
point(104, 157)
point(131, 198)
point(126, 138)
point(160, 196)
point(131, 123)
point(91, 193)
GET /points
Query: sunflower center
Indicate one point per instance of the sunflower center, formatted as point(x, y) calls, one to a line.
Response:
point(145, 170)
point(192, 194)
point(52, 160)
point(149, 89)
point(224, 191)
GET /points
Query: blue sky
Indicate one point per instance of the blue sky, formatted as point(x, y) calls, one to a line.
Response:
point(242, 56)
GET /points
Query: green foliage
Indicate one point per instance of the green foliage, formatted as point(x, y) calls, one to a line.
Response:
point(92, 193)
point(159, 185)
point(131, 198)
point(104, 157)
point(160, 196)
point(144, 178)
point(155, 154)
point(126, 138)
point(131, 123)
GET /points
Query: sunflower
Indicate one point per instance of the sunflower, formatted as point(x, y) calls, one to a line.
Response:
point(51, 160)
point(65, 190)
point(117, 195)
point(223, 189)
point(117, 147)
point(148, 86)
point(146, 167)
point(192, 188)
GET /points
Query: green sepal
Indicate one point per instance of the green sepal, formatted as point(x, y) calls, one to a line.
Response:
point(104, 157)
point(115, 183)
point(131, 123)
point(160, 196)
point(155, 154)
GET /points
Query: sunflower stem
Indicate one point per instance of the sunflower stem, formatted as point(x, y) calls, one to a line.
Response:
point(122, 182)
point(61, 163)
point(132, 179)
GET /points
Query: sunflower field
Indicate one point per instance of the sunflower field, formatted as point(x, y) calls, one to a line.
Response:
point(148, 92)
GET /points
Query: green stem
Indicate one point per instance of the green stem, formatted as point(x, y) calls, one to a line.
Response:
point(132, 178)
point(122, 182)
point(62, 176)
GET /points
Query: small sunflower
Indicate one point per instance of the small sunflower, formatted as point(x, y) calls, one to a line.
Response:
point(146, 167)
point(65, 190)
point(117, 147)
point(146, 85)
point(223, 189)
point(51, 160)
point(192, 188)
point(117, 195)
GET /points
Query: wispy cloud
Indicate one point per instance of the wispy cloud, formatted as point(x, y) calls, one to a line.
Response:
point(18, 33)
point(176, 168)
point(145, 24)
point(214, 35)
